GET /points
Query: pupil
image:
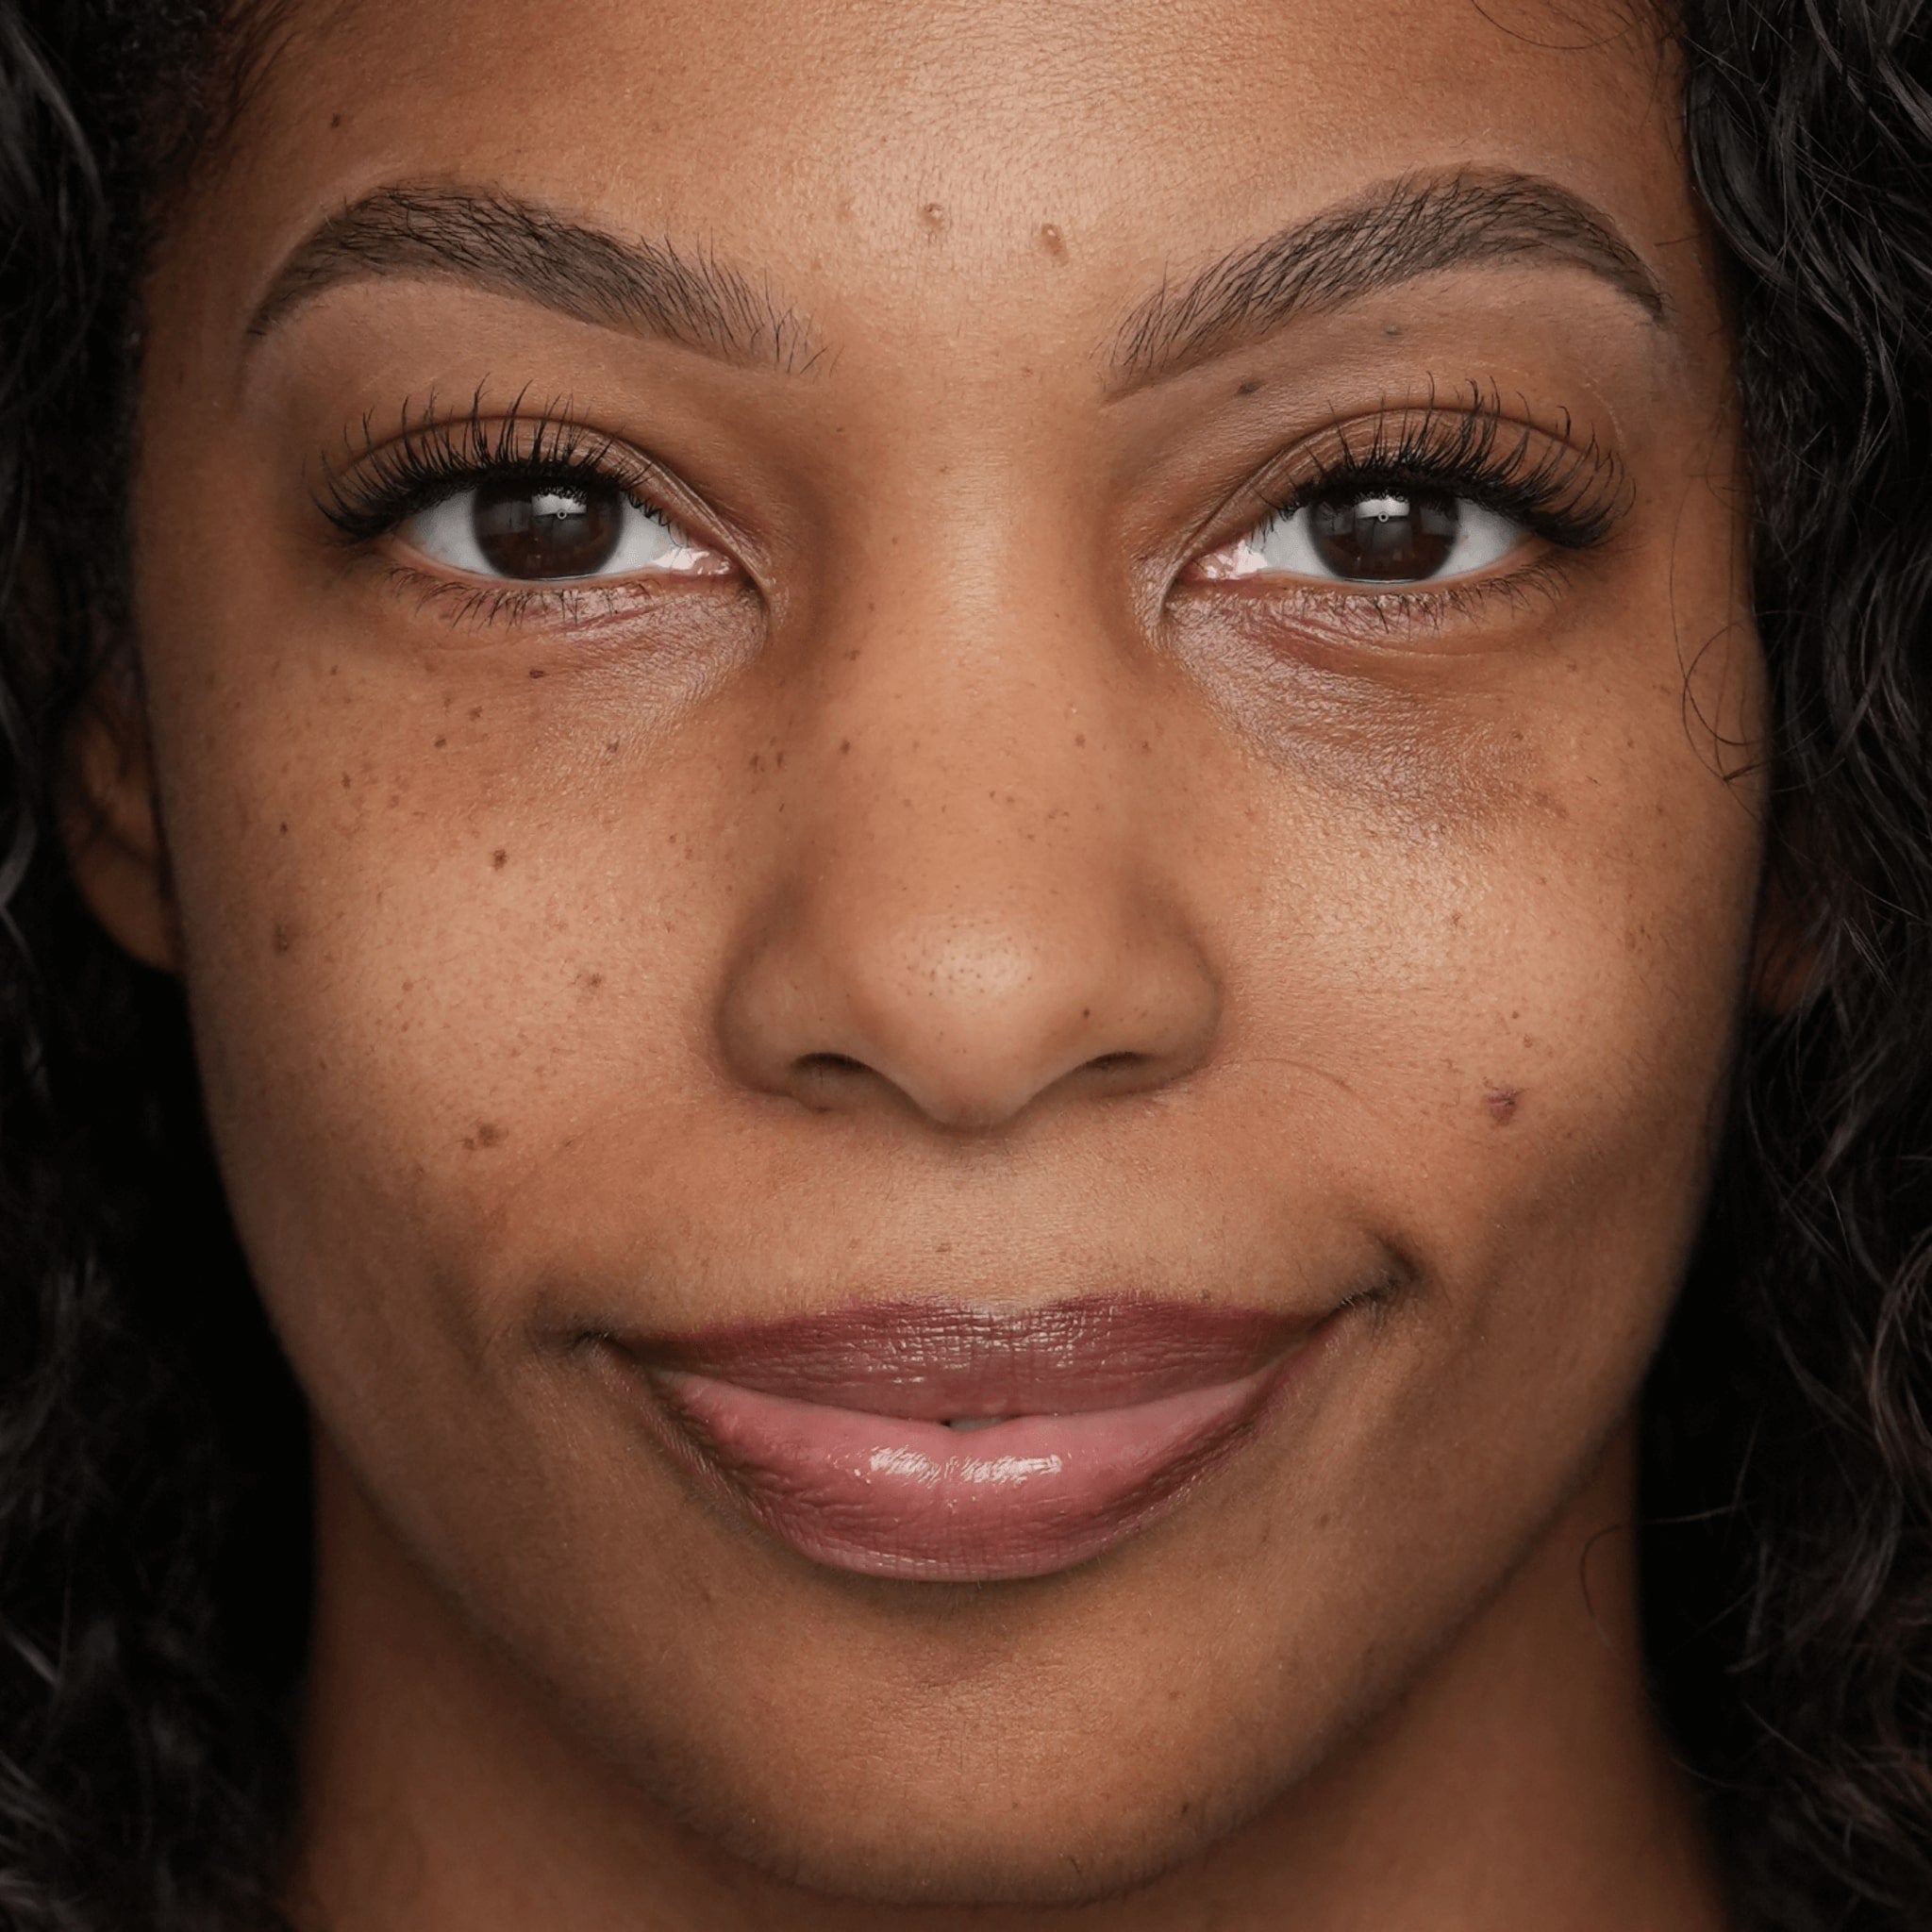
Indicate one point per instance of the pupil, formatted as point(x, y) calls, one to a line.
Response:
point(1389, 538)
point(547, 531)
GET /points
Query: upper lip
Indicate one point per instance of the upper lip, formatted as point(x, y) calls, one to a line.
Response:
point(934, 1361)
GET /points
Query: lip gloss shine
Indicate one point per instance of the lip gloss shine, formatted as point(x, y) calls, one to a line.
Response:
point(933, 1441)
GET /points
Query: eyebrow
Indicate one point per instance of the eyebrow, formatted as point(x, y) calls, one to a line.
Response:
point(1412, 227)
point(513, 248)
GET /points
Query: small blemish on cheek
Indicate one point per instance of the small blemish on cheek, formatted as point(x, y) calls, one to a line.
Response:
point(499, 858)
point(488, 1134)
point(934, 217)
point(283, 936)
point(1251, 386)
point(1502, 1103)
point(1053, 242)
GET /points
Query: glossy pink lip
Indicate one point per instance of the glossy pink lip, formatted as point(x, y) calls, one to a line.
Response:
point(1084, 1420)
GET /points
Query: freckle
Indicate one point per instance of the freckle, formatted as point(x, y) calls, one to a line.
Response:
point(285, 829)
point(1050, 240)
point(612, 749)
point(535, 672)
point(440, 742)
point(844, 745)
point(934, 216)
point(500, 857)
point(852, 657)
point(1249, 387)
point(1080, 740)
point(335, 120)
point(345, 781)
point(1393, 330)
point(487, 1135)
point(1502, 1103)
point(476, 713)
point(283, 938)
point(758, 764)
point(778, 763)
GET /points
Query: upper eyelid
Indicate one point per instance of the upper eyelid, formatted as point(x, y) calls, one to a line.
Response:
point(472, 443)
point(1458, 445)
point(455, 463)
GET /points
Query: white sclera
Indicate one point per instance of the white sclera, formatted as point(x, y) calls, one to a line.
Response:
point(1284, 545)
point(445, 533)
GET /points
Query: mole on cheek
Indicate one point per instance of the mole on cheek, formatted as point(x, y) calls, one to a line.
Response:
point(1502, 1103)
point(488, 1134)
point(499, 858)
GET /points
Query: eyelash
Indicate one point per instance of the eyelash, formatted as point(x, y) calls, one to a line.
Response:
point(436, 456)
point(1571, 495)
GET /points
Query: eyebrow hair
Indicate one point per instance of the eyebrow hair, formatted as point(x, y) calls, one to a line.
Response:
point(498, 243)
point(1414, 226)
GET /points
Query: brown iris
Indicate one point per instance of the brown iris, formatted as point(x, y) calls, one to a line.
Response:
point(1393, 537)
point(533, 530)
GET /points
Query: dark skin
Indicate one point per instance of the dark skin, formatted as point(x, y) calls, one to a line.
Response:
point(972, 855)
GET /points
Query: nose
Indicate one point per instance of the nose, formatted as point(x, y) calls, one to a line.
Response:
point(968, 916)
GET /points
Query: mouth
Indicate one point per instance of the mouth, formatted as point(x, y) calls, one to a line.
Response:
point(946, 1444)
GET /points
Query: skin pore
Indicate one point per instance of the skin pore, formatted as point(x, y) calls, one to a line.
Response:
point(971, 857)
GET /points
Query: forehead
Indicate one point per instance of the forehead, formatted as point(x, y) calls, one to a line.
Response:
point(890, 153)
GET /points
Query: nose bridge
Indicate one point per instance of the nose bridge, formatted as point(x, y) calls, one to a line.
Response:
point(966, 912)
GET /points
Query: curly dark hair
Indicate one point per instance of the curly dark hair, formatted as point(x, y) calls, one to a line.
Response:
point(153, 1454)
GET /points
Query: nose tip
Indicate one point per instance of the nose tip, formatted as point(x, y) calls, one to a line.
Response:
point(970, 1025)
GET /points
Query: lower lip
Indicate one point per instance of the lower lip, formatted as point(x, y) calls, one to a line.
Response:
point(887, 1497)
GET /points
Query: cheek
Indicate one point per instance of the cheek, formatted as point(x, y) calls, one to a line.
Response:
point(446, 937)
point(1502, 983)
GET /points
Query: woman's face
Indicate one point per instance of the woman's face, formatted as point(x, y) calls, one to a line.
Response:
point(1099, 659)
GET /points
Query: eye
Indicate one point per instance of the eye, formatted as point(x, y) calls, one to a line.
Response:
point(1376, 535)
point(537, 531)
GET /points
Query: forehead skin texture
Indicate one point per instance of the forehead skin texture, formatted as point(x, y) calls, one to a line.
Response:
point(961, 898)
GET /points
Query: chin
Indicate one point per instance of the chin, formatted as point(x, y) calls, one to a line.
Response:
point(993, 1851)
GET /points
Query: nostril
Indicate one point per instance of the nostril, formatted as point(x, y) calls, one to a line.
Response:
point(830, 1063)
point(823, 1081)
point(1117, 1073)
